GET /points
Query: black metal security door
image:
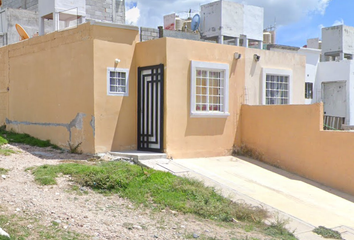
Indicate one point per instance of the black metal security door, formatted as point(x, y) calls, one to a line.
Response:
point(150, 108)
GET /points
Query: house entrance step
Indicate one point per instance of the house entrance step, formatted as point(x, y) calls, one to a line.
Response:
point(139, 155)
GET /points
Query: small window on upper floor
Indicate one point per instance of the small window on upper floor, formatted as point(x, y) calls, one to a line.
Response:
point(308, 90)
point(209, 89)
point(117, 82)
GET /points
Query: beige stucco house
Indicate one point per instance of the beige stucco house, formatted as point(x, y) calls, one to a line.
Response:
point(98, 85)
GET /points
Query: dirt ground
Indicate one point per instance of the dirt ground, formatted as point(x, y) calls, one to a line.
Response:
point(93, 214)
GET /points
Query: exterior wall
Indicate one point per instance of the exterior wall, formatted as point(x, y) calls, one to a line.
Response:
point(180, 34)
point(25, 13)
point(231, 19)
point(4, 85)
point(338, 39)
point(332, 39)
point(314, 43)
point(107, 10)
point(51, 87)
point(115, 116)
point(312, 61)
point(253, 22)
point(199, 137)
point(27, 4)
point(27, 19)
point(348, 38)
point(211, 20)
point(334, 72)
point(273, 60)
point(147, 34)
point(291, 138)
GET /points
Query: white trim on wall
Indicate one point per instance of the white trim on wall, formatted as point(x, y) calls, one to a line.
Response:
point(209, 66)
point(118, 70)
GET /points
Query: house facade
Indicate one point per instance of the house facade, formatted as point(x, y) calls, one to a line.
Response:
point(99, 86)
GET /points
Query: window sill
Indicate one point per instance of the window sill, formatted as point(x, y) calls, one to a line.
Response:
point(209, 114)
point(118, 94)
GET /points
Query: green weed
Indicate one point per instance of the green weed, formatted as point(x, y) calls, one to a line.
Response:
point(21, 228)
point(3, 141)
point(4, 170)
point(6, 152)
point(155, 189)
point(75, 148)
point(247, 152)
point(327, 233)
point(13, 137)
point(277, 229)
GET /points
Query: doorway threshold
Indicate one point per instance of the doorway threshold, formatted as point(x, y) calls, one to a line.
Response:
point(140, 155)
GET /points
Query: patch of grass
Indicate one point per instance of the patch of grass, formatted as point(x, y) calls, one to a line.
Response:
point(249, 228)
point(160, 190)
point(277, 229)
point(6, 151)
point(4, 170)
point(21, 228)
point(327, 233)
point(3, 141)
point(13, 137)
point(155, 189)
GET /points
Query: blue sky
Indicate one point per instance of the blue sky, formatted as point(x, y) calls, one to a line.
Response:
point(295, 34)
point(297, 20)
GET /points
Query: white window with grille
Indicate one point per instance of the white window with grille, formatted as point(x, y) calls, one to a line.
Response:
point(209, 89)
point(276, 86)
point(117, 82)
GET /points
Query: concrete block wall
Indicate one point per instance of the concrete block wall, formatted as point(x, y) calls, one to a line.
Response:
point(147, 34)
point(22, 4)
point(180, 34)
point(101, 10)
point(27, 19)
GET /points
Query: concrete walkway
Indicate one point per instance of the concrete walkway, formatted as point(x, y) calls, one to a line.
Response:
point(305, 203)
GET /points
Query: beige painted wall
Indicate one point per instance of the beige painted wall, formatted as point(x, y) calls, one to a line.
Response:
point(55, 77)
point(4, 84)
point(292, 138)
point(51, 82)
point(115, 116)
point(199, 137)
point(276, 60)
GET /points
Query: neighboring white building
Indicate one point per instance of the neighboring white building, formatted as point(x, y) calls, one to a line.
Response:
point(26, 13)
point(334, 84)
point(312, 92)
point(329, 73)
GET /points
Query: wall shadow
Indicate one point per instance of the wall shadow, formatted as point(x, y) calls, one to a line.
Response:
point(295, 177)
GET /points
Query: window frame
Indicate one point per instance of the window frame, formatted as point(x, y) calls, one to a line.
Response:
point(120, 70)
point(276, 72)
point(308, 96)
point(209, 66)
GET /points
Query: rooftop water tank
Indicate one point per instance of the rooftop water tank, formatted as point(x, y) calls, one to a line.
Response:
point(179, 24)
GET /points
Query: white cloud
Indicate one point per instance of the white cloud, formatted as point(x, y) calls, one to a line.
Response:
point(338, 22)
point(283, 11)
point(132, 15)
point(322, 5)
